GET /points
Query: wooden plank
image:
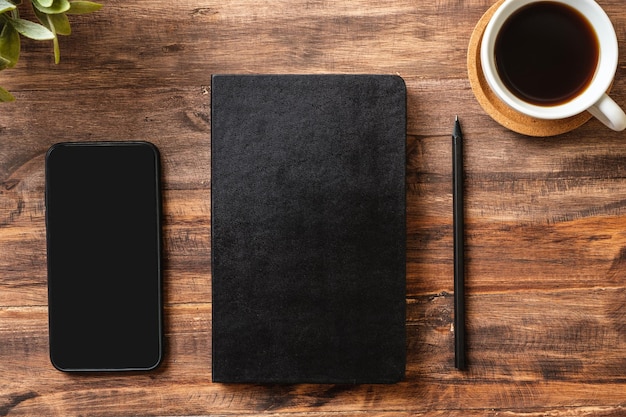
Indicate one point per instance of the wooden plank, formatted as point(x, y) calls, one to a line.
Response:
point(522, 359)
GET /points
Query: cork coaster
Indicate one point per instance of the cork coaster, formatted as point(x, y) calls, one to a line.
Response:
point(500, 112)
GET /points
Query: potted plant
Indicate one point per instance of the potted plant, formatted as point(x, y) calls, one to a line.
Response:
point(53, 21)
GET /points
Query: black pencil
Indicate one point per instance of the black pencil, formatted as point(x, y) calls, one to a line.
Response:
point(459, 246)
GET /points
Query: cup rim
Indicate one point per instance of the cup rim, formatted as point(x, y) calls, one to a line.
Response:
point(600, 83)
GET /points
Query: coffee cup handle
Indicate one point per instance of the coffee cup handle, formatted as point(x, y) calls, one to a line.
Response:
point(608, 112)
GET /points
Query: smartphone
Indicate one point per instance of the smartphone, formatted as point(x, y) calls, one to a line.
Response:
point(103, 231)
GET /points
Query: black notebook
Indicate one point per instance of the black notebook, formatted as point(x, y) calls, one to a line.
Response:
point(308, 228)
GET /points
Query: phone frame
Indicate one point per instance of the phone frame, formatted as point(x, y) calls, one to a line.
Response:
point(159, 246)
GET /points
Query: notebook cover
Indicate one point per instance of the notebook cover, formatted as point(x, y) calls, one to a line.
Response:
point(308, 228)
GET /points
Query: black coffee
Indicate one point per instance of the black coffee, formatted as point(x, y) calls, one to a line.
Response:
point(546, 53)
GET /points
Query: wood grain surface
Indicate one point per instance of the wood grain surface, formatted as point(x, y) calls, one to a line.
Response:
point(546, 218)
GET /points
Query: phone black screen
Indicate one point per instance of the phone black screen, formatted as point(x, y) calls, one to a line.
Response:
point(104, 256)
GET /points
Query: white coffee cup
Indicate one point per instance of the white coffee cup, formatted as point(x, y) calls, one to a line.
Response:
point(593, 98)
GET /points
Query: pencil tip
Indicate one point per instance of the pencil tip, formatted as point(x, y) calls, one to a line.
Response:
point(456, 118)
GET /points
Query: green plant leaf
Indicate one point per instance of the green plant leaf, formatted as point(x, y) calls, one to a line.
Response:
point(57, 50)
point(50, 21)
point(45, 3)
point(5, 96)
point(83, 7)
point(55, 42)
point(31, 30)
point(58, 6)
point(5, 6)
point(60, 22)
point(9, 46)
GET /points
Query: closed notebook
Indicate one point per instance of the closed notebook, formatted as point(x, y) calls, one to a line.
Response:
point(308, 228)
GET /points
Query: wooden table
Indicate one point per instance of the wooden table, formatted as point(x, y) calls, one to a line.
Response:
point(546, 218)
